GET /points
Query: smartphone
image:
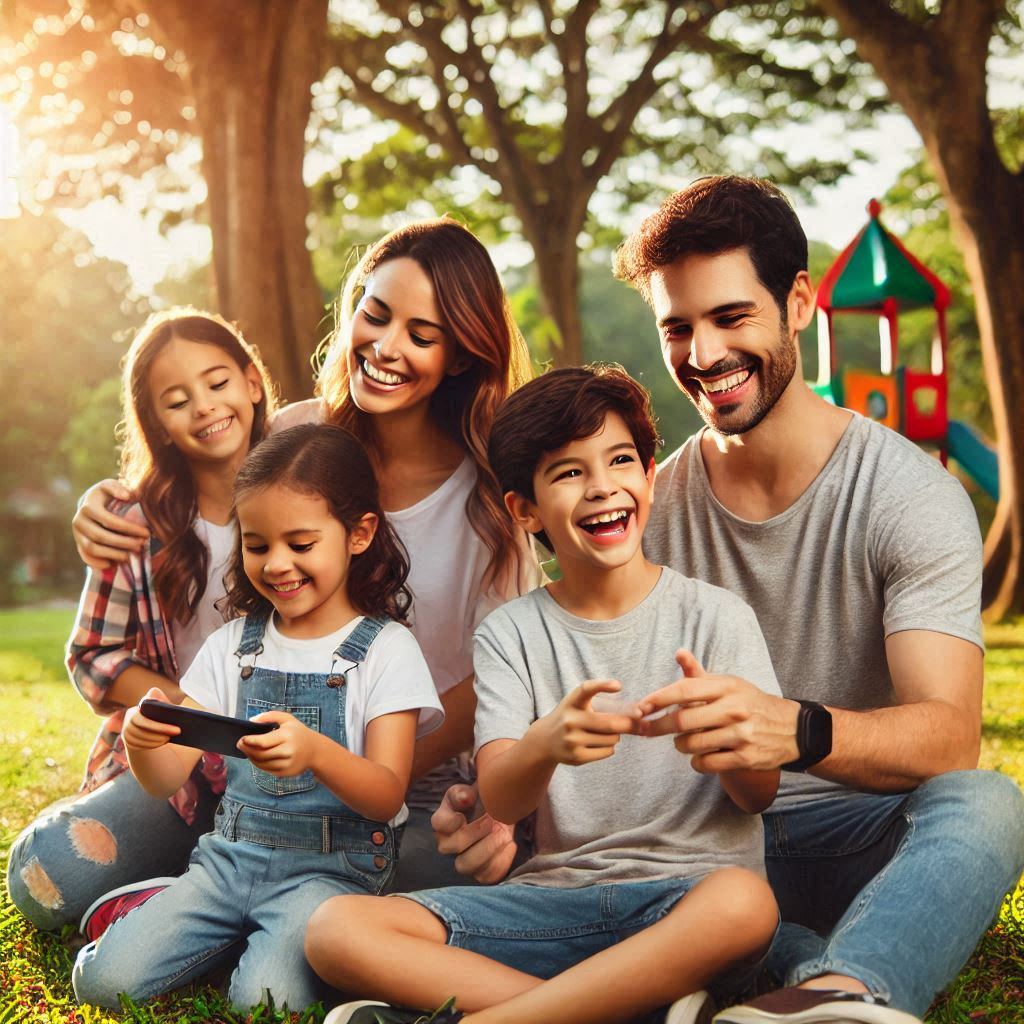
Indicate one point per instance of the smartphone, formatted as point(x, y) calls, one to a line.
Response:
point(204, 730)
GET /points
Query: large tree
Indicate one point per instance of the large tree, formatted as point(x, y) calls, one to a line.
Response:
point(933, 58)
point(547, 100)
point(116, 86)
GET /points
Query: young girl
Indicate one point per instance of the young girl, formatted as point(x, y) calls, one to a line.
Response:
point(195, 397)
point(424, 353)
point(312, 814)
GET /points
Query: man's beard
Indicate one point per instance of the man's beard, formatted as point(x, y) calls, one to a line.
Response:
point(774, 373)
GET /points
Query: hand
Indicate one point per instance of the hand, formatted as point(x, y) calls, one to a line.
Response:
point(142, 733)
point(289, 750)
point(484, 848)
point(724, 722)
point(573, 733)
point(103, 538)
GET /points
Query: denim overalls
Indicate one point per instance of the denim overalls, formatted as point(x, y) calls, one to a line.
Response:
point(280, 847)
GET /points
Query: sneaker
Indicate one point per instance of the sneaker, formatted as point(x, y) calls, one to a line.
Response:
point(116, 903)
point(814, 1006)
point(368, 1012)
point(696, 1008)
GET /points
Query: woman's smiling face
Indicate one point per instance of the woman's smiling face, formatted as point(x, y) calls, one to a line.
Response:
point(400, 348)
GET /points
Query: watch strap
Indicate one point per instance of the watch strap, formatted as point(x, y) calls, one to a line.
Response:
point(813, 736)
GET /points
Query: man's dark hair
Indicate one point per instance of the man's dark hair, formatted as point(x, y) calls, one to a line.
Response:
point(716, 215)
point(560, 407)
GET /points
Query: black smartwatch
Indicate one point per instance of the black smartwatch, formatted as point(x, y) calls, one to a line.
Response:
point(813, 736)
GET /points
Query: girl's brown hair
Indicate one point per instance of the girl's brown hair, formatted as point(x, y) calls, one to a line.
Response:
point(157, 472)
point(476, 314)
point(328, 462)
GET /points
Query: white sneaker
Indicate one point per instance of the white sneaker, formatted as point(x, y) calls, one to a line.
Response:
point(696, 1008)
point(814, 1006)
point(343, 1014)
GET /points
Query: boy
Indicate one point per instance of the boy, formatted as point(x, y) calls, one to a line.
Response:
point(647, 874)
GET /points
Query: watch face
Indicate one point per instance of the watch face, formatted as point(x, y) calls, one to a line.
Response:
point(818, 734)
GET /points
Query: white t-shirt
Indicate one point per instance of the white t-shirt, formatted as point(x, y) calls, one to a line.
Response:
point(393, 676)
point(189, 637)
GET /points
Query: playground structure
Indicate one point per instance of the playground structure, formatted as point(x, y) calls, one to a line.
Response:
point(876, 275)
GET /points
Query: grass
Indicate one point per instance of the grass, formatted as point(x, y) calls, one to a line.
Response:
point(47, 731)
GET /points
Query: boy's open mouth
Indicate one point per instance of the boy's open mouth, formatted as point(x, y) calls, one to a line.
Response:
point(381, 376)
point(606, 524)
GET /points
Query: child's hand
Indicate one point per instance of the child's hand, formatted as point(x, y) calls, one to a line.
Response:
point(573, 733)
point(289, 750)
point(142, 733)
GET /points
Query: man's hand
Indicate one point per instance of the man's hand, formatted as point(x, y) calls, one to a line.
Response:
point(142, 733)
point(573, 733)
point(289, 750)
point(484, 848)
point(725, 723)
point(104, 538)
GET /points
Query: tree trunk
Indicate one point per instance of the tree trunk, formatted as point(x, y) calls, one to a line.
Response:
point(936, 72)
point(252, 66)
point(553, 241)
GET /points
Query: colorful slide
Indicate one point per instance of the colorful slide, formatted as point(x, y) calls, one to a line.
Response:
point(975, 456)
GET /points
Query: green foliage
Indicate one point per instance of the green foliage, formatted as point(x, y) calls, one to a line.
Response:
point(64, 312)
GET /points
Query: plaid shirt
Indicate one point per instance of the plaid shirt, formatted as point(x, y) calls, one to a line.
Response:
point(120, 624)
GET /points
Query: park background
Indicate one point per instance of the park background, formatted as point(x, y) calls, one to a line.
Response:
point(234, 155)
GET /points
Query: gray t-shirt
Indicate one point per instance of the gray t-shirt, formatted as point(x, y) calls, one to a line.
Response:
point(642, 813)
point(883, 540)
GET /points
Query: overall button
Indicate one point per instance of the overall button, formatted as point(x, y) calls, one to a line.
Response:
point(380, 863)
point(378, 838)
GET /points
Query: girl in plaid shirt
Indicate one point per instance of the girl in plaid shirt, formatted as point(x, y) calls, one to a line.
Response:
point(195, 397)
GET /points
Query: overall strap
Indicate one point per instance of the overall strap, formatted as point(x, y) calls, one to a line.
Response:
point(354, 647)
point(251, 644)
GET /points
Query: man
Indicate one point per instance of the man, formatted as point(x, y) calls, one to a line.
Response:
point(861, 557)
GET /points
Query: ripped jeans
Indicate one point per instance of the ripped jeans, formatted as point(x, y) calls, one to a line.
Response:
point(83, 846)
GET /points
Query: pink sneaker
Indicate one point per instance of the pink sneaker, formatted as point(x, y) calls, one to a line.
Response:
point(116, 903)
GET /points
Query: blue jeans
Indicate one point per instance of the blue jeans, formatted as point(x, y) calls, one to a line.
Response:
point(894, 890)
point(544, 931)
point(82, 847)
point(238, 903)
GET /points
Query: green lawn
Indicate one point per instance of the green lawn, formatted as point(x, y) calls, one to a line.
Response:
point(47, 730)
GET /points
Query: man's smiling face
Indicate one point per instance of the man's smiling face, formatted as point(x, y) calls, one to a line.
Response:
point(723, 338)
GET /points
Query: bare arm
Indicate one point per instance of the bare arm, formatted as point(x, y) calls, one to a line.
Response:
point(751, 790)
point(455, 734)
point(160, 767)
point(103, 537)
point(514, 774)
point(935, 728)
point(135, 682)
point(374, 785)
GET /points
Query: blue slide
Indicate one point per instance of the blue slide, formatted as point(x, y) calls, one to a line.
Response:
point(975, 456)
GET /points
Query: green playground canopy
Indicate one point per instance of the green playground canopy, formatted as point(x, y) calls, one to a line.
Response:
point(875, 270)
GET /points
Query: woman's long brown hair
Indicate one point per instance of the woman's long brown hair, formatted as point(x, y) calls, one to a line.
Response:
point(476, 314)
point(157, 472)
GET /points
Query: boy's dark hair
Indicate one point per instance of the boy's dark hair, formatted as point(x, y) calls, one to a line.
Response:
point(715, 215)
point(329, 462)
point(560, 407)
